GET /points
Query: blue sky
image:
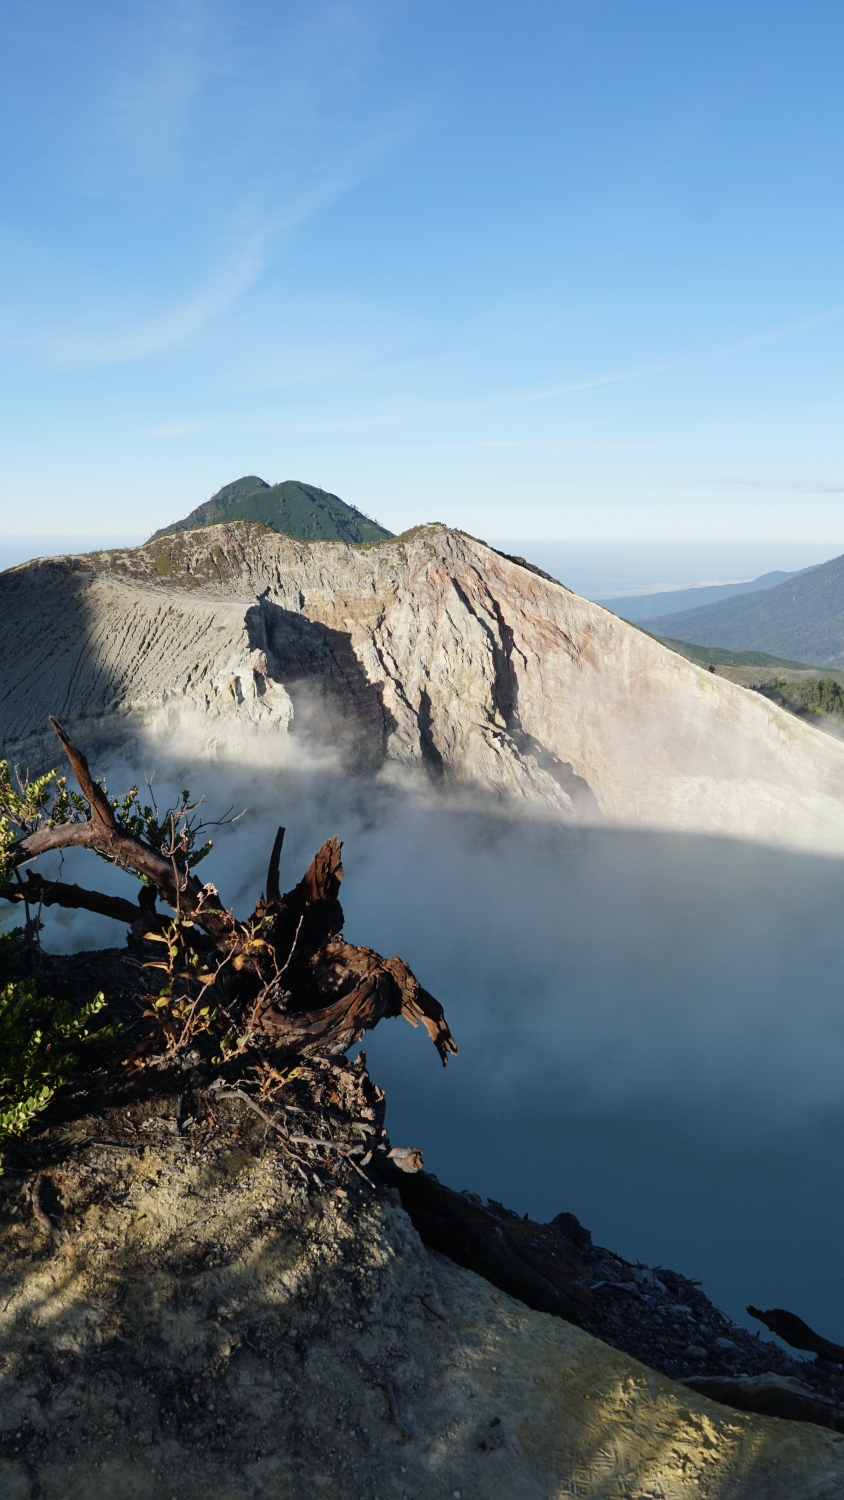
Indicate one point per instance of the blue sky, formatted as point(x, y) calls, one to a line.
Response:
point(562, 271)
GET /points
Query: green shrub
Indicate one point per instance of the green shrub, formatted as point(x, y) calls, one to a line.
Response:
point(822, 695)
point(825, 698)
point(39, 1040)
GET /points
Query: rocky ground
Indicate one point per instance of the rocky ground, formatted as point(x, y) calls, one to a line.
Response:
point(664, 1319)
point(655, 1314)
point(208, 1308)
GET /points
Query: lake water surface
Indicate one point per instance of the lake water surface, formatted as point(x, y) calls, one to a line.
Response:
point(651, 1034)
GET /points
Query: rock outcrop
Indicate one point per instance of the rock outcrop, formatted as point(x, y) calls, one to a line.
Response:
point(213, 1326)
point(430, 653)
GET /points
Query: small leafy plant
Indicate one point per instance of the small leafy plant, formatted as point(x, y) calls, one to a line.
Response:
point(172, 833)
point(45, 802)
point(39, 1041)
point(178, 1007)
point(32, 805)
point(183, 1007)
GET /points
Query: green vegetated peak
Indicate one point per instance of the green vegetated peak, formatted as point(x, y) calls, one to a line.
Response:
point(300, 510)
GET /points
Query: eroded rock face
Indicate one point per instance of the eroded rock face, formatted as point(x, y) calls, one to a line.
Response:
point(430, 652)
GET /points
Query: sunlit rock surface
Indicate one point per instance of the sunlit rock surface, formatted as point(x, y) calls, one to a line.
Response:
point(429, 652)
point(211, 1328)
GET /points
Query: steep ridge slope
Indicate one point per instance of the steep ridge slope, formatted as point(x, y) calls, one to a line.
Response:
point(429, 652)
point(802, 618)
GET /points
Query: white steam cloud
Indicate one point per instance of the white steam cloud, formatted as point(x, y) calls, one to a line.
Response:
point(600, 969)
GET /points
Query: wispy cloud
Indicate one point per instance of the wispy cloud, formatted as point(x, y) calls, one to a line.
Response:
point(150, 97)
point(239, 266)
point(782, 334)
point(408, 414)
point(232, 277)
point(746, 345)
point(203, 145)
point(429, 414)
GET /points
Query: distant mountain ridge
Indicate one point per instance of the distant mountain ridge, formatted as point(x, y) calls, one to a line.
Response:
point(716, 656)
point(801, 619)
point(640, 607)
point(300, 510)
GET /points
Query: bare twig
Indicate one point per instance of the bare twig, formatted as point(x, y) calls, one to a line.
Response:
point(338, 1146)
point(239, 1094)
point(23, 895)
point(353, 1164)
point(286, 963)
point(186, 1031)
point(111, 1145)
point(272, 986)
point(314, 1140)
point(56, 893)
point(176, 881)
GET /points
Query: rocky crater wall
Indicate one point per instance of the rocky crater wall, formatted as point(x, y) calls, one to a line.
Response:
point(429, 653)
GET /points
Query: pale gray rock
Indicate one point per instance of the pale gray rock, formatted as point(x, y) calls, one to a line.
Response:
point(428, 654)
point(211, 1329)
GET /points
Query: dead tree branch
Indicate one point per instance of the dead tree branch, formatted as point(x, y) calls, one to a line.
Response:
point(273, 890)
point(468, 1233)
point(368, 989)
point(36, 890)
point(799, 1335)
point(101, 809)
point(102, 833)
point(771, 1396)
point(292, 979)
